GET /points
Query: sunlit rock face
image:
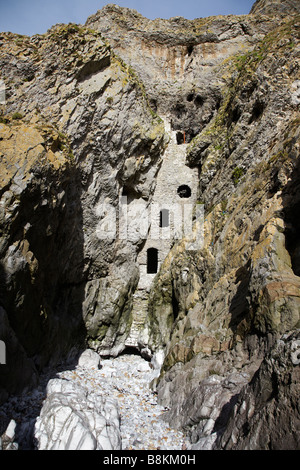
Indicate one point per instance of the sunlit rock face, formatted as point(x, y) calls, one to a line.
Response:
point(278, 7)
point(105, 121)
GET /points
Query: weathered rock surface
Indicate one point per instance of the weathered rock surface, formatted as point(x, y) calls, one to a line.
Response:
point(40, 216)
point(119, 388)
point(7, 440)
point(267, 415)
point(168, 55)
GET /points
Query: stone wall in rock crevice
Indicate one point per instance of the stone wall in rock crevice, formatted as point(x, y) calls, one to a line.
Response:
point(266, 414)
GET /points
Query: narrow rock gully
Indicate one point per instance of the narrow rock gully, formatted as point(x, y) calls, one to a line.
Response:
point(126, 379)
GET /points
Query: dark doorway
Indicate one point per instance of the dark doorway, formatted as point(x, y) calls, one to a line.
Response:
point(164, 218)
point(184, 191)
point(152, 261)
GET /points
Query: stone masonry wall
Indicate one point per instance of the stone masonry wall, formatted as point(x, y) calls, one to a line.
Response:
point(173, 173)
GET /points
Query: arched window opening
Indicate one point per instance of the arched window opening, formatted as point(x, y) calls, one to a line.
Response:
point(152, 261)
point(184, 191)
point(164, 218)
point(180, 138)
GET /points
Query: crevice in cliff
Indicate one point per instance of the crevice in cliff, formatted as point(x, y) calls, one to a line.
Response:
point(239, 307)
point(175, 303)
point(223, 418)
point(93, 67)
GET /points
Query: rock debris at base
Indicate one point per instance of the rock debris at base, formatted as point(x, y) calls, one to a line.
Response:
point(89, 408)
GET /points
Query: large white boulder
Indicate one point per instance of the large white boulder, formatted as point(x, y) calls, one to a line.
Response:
point(73, 419)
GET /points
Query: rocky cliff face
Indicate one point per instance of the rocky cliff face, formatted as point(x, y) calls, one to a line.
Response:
point(81, 128)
